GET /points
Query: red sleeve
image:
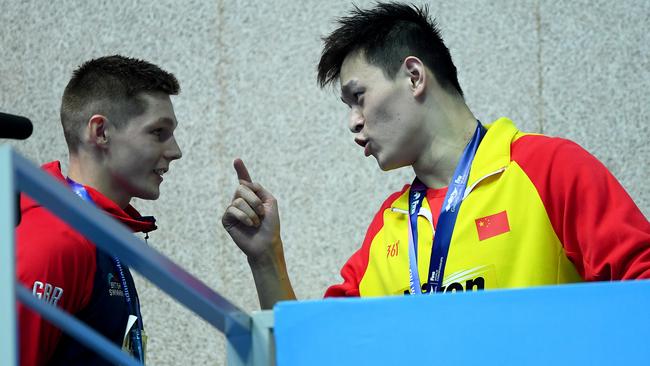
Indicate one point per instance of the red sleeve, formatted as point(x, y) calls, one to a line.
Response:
point(603, 232)
point(354, 269)
point(58, 266)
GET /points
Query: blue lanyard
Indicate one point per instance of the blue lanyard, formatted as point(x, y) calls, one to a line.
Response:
point(132, 304)
point(446, 220)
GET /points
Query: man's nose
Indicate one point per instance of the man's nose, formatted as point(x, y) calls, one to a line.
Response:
point(173, 151)
point(356, 121)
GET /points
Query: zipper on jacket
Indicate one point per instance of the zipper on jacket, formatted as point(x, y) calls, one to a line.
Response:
point(424, 212)
point(470, 188)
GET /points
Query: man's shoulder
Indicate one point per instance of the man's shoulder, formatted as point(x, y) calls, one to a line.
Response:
point(558, 166)
point(41, 230)
point(523, 140)
point(54, 260)
point(542, 151)
point(43, 234)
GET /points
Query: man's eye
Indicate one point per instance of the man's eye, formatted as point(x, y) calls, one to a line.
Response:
point(357, 95)
point(157, 131)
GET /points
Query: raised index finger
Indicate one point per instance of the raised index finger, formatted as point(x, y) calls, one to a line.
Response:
point(242, 172)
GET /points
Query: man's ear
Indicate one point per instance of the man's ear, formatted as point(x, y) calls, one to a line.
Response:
point(416, 73)
point(97, 130)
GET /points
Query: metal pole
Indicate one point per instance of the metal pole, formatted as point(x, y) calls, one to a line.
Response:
point(8, 342)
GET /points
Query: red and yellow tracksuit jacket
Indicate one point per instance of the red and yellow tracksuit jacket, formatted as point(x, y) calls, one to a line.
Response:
point(537, 211)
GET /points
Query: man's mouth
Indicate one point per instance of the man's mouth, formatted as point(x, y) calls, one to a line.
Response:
point(366, 150)
point(160, 172)
point(365, 144)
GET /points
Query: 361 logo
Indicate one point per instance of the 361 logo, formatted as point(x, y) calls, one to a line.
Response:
point(392, 250)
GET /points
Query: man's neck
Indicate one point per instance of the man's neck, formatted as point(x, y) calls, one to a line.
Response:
point(84, 170)
point(436, 166)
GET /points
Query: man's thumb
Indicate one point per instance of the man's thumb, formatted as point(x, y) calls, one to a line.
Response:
point(242, 172)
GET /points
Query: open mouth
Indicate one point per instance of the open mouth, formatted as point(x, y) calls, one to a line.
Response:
point(365, 144)
point(159, 173)
point(366, 150)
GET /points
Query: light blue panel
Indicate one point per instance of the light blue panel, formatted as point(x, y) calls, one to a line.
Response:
point(8, 342)
point(586, 324)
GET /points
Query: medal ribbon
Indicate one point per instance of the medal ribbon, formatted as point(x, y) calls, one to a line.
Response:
point(446, 219)
point(132, 304)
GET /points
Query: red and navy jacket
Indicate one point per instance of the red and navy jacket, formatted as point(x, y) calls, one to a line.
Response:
point(63, 268)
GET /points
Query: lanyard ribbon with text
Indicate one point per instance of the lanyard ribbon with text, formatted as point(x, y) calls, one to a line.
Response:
point(132, 303)
point(446, 220)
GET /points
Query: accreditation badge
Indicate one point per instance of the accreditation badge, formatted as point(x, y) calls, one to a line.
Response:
point(127, 344)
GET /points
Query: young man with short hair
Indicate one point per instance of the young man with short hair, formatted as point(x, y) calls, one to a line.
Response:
point(119, 124)
point(490, 207)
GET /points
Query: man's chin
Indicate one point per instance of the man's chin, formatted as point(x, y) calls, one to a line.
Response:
point(148, 195)
point(387, 165)
point(384, 168)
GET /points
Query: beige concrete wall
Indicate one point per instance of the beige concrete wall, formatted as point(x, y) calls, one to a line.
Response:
point(576, 69)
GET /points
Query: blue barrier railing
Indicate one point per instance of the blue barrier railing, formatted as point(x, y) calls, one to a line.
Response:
point(18, 174)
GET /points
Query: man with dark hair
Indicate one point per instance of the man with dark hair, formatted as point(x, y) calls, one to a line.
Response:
point(119, 125)
point(490, 206)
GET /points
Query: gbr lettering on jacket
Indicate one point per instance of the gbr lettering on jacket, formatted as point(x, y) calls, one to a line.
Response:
point(47, 292)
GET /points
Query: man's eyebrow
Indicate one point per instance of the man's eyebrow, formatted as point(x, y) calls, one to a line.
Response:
point(345, 89)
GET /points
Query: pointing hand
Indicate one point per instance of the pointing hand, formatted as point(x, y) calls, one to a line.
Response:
point(252, 218)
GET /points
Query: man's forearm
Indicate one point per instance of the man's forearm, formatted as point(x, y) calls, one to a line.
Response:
point(271, 278)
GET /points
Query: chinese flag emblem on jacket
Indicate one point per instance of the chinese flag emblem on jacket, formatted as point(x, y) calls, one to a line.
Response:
point(493, 225)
